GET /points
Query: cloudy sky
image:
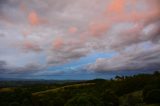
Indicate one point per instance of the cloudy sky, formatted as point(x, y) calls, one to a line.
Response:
point(78, 39)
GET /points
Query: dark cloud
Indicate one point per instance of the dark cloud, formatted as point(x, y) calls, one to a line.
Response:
point(28, 69)
point(2, 2)
point(3, 67)
point(136, 59)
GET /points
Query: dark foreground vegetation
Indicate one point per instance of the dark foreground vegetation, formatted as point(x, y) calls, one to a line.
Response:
point(138, 90)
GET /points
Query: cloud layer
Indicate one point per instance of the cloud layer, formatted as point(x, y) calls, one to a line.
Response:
point(36, 35)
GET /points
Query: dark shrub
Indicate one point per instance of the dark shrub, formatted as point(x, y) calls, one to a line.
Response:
point(109, 98)
point(153, 96)
point(83, 100)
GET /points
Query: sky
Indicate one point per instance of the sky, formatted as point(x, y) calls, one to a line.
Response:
point(78, 39)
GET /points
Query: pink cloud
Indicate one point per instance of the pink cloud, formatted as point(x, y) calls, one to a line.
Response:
point(97, 28)
point(151, 11)
point(116, 6)
point(30, 46)
point(58, 42)
point(33, 18)
point(72, 30)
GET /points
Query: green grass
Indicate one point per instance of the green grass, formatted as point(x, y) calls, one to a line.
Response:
point(136, 97)
point(62, 88)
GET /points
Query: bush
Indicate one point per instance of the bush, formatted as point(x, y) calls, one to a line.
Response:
point(153, 96)
point(83, 100)
point(14, 104)
point(109, 98)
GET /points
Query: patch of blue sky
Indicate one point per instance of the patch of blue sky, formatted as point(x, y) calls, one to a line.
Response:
point(146, 45)
point(91, 58)
point(42, 59)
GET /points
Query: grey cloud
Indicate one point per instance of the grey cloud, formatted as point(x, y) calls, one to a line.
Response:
point(67, 54)
point(130, 60)
point(2, 66)
point(55, 17)
point(50, 73)
point(2, 2)
point(2, 35)
point(28, 69)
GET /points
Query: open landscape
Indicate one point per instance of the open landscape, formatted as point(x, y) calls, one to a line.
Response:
point(79, 52)
point(137, 90)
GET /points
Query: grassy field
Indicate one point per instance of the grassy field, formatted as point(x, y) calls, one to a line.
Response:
point(63, 88)
point(7, 90)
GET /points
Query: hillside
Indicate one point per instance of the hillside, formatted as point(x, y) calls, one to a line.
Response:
point(75, 86)
point(137, 90)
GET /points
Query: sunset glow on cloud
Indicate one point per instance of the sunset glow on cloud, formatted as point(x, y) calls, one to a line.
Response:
point(33, 18)
point(73, 39)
